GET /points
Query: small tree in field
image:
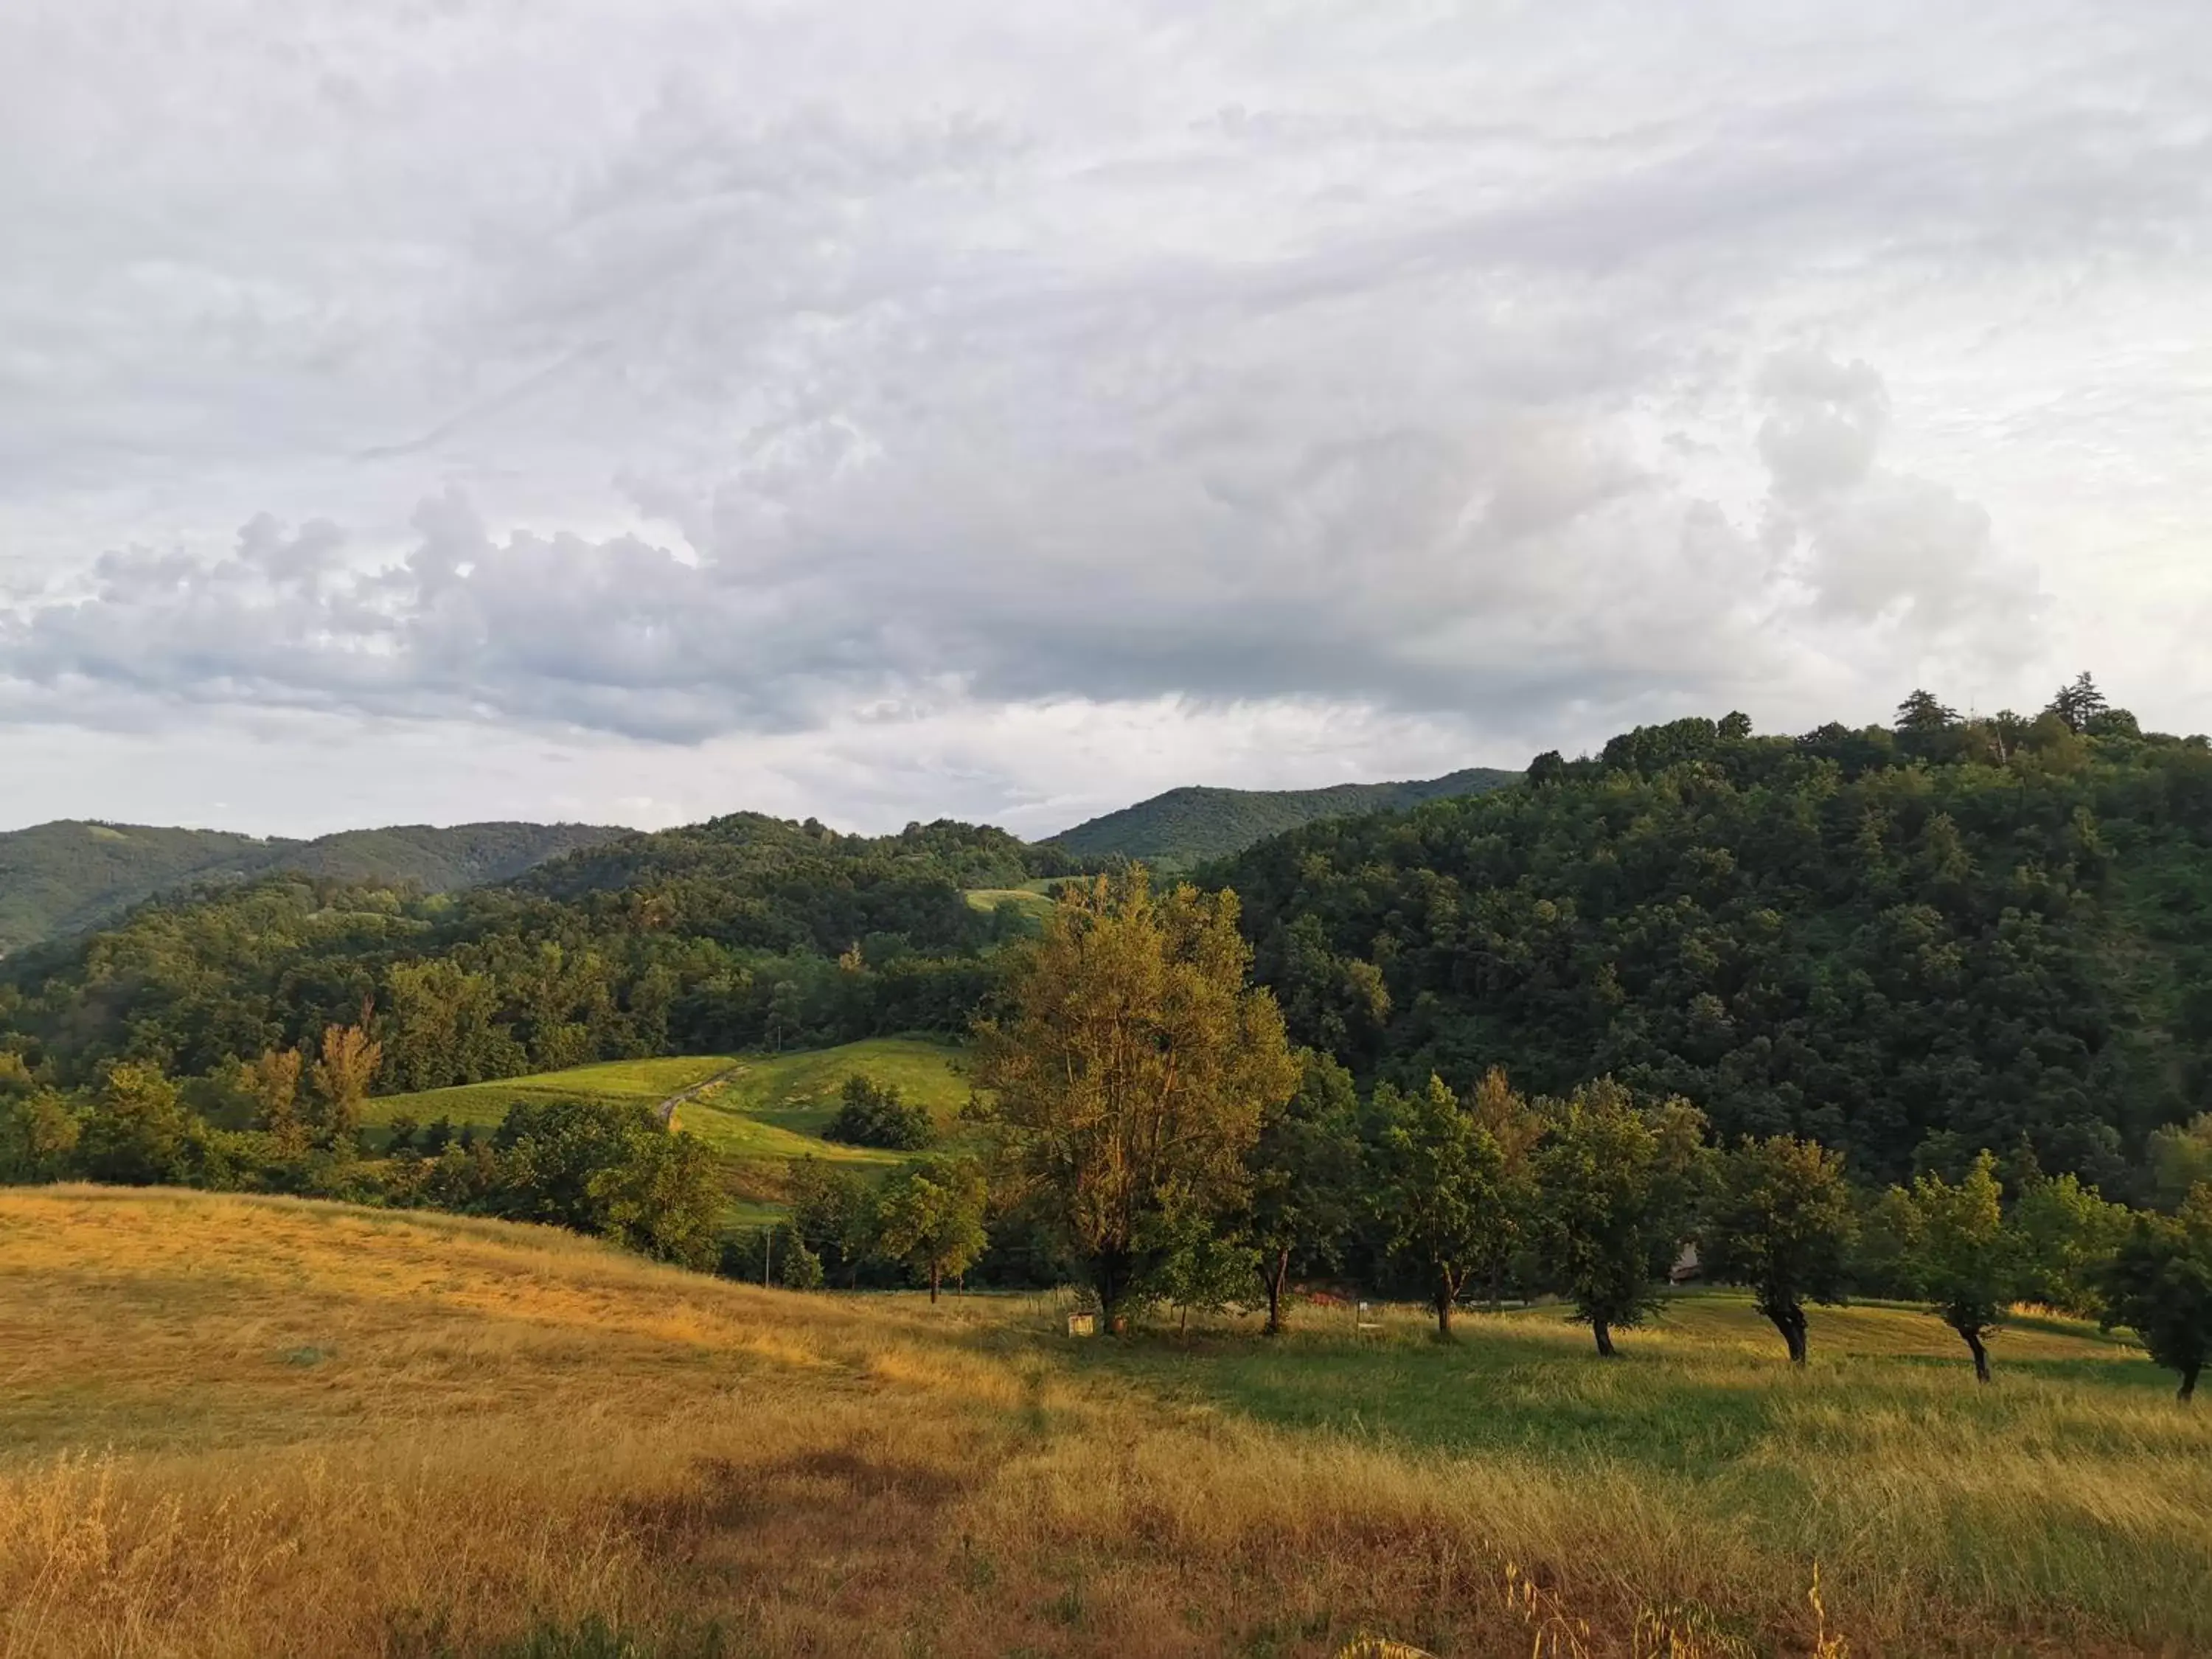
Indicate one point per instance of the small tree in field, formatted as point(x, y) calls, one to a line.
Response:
point(1434, 1188)
point(1781, 1224)
point(1959, 1254)
point(1518, 1129)
point(1305, 1167)
point(1131, 1068)
point(930, 1218)
point(2159, 1285)
point(1607, 1231)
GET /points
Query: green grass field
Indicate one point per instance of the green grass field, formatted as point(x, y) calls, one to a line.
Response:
point(1034, 900)
point(758, 1112)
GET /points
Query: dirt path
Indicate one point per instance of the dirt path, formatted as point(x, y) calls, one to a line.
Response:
point(666, 1110)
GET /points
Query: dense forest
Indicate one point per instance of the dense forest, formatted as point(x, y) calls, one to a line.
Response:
point(62, 877)
point(1185, 827)
point(745, 931)
point(1907, 943)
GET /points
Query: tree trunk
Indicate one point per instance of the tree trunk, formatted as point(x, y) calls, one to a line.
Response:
point(1604, 1334)
point(935, 1274)
point(2189, 1382)
point(1444, 1312)
point(1107, 1279)
point(1275, 1293)
point(1981, 1355)
point(1789, 1319)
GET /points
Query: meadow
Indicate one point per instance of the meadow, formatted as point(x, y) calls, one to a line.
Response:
point(757, 1112)
point(251, 1425)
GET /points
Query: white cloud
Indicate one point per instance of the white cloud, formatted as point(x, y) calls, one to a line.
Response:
point(858, 411)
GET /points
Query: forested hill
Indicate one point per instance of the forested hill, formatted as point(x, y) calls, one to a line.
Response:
point(1187, 826)
point(744, 932)
point(58, 878)
point(1908, 943)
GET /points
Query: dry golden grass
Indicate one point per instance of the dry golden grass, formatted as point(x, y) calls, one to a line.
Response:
point(249, 1427)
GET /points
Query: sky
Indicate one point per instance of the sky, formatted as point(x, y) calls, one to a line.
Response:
point(451, 410)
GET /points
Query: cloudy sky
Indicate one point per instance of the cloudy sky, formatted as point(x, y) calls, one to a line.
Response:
point(632, 411)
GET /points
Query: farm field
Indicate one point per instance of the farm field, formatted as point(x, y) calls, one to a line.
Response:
point(245, 1425)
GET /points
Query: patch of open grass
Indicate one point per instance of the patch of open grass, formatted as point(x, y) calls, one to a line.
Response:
point(646, 1082)
point(506, 1431)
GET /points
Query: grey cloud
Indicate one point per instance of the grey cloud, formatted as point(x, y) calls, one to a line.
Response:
point(758, 371)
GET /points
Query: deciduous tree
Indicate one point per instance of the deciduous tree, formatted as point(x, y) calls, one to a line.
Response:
point(1961, 1256)
point(1433, 1186)
point(343, 1077)
point(1608, 1231)
point(2159, 1284)
point(1305, 1172)
point(930, 1218)
point(1781, 1224)
point(1131, 1067)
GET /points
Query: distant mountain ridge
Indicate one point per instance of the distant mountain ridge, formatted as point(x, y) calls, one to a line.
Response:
point(60, 877)
point(1190, 825)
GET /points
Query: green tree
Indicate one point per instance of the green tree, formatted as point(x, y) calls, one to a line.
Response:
point(135, 1134)
point(930, 1218)
point(2078, 704)
point(1781, 1225)
point(1434, 1188)
point(614, 1171)
point(1132, 1067)
point(833, 1215)
point(342, 1078)
point(1606, 1229)
point(873, 1114)
point(1203, 1268)
point(2068, 1233)
point(273, 1083)
point(1304, 1171)
point(2159, 1284)
point(1959, 1254)
point(1518, 1129)
point(39, 1135)
point(2181, 1157)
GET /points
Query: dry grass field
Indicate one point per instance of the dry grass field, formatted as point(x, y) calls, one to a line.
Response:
point(260, 1427)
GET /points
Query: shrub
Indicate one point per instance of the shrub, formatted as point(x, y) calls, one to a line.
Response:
point(873, 1115)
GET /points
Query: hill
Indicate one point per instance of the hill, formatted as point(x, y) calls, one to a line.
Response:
point(1188, 826)
point(1907, 944)
point(62, 877)
point(270, 1425)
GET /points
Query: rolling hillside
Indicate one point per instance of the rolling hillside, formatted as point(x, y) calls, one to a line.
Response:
point(1188, 826)
point(273, 1425)
point(58, 878)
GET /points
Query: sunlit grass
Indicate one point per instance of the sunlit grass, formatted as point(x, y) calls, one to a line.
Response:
point(251, 1426)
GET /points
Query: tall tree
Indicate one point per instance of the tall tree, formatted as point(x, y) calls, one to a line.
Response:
point(1132, 1067)
point(1517, 1129)
point(1961, 1256)
point(2078, 704)
point(273, 1081)
point(930, 1218)
point(343, 1077)
point(135, 1134)
point(1781, 1225)
point(1607, 1227)
point(1434, 1188)
point(2159, 1285)
point(2067, 1233)
point(1305, 1167)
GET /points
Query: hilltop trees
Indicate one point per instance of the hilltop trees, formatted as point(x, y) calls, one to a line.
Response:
point(1781, 1225)
point(1131, 1068)
point(2160, 1285)
point(1433, 1187)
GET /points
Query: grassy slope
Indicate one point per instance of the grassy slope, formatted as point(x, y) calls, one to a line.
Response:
point(261, 1425)
point(1191, 825)
point(759, 1111)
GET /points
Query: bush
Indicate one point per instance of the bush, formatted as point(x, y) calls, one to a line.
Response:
point(873, 1115)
